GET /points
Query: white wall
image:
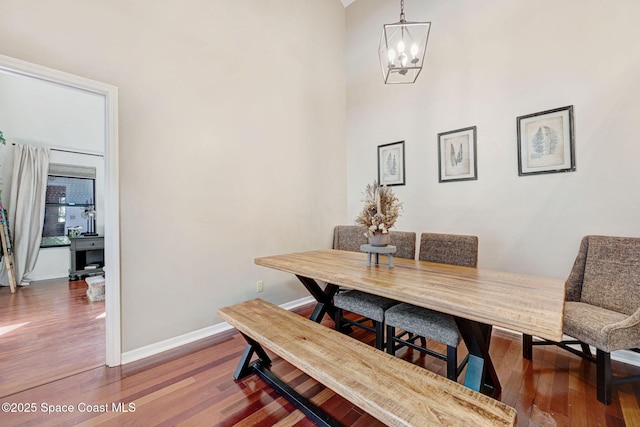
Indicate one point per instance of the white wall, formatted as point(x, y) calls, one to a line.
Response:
point(487, 63)
point(232, 124)
point(44, 114)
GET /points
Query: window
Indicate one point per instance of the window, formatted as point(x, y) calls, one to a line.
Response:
point(69, 204)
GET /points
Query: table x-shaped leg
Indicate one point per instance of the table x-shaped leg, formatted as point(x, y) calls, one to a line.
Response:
point(324, 298)
point(481, 374)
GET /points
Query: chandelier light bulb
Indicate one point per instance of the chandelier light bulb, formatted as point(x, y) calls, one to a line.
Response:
point(392, 56)
point(401, 46)
point(414, 50)
point(403, 60)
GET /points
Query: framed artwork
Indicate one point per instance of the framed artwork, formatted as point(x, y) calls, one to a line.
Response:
point(457, 160)
point(391, 164)
point(546, 142)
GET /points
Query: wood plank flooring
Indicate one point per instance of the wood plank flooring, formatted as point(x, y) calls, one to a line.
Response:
point(192, 386)
point(48, 330)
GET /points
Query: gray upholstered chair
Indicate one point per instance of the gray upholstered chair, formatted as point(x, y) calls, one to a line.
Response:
point(602, 306)
point(370, 307)
point(417, 322)
point(349, 237)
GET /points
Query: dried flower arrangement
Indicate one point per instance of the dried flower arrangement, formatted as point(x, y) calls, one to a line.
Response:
point(381, 209)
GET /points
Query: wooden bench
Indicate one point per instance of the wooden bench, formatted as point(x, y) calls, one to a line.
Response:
point(394, 391)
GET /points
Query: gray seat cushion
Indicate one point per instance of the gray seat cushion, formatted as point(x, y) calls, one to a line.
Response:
point(424, 322)
point(604, 329)
point(367, 305)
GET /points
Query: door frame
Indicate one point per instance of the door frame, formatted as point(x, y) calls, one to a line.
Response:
point(111, 190)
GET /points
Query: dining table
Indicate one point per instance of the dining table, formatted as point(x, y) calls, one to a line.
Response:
point(477, 298)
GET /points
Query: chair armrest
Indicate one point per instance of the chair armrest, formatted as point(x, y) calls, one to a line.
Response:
point(629, 322)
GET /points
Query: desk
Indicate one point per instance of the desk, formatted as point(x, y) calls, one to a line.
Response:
point(475, 297)
point(87, 256)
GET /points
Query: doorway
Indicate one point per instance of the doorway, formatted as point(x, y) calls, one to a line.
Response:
point(26, 72)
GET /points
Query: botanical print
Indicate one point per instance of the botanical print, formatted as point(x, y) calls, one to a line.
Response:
point(391, 167)
point(545, 142)
point(457, 152)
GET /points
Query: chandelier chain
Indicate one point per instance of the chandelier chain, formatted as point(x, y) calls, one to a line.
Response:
point(402, 11)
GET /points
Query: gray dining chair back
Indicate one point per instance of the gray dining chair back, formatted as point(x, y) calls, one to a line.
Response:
point(455, 249)
point(421, 323)
point(602, 306)
point(349, 237)
point(370, 308)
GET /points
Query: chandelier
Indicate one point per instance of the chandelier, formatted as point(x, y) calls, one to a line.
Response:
point(402, 49)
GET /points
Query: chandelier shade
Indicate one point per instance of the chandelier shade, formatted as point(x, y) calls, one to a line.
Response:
point(403, 46)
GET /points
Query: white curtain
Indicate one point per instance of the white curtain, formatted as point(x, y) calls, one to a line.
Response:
point(26, 206)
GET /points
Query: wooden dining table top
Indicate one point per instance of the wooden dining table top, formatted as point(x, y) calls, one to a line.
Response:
point(529, 304)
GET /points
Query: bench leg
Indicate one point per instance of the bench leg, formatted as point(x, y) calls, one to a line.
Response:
point(260, 368)
point(245, 365)
point(317, 415)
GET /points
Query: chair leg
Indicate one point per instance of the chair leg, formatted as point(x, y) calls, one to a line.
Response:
point(527, 346)
point(391, 333)
point(337, 319)
point(379, 326)
point(423, 341)
point(603, 383)
point(452, 363)
point(586, 349)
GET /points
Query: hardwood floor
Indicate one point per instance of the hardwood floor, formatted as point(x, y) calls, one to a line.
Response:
point(48, 330)
point(192, 386)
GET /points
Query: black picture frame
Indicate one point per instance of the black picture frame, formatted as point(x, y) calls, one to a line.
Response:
point(546, 142)
point(457, 156)
point(391, 166)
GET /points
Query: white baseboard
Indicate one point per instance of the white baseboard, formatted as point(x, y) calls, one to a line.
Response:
point(209, 331)
point(46, 276)
point(624, 356)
